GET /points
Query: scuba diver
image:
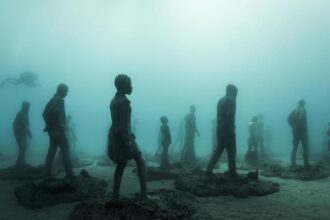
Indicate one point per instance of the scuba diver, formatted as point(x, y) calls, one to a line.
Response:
point(22, 132)
point(26, 78)
point(121, 145)
point(298, 122)
point(55, 120)
point(165, 140)
point(226, 137)
point(188, 151)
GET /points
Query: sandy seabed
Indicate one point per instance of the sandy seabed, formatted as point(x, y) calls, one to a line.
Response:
point(296, 199)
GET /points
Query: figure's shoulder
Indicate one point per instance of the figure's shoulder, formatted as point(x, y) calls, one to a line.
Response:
point(56, 99)
point(120, 100)
point(300, 110)
point(189, 117)
point(224, 100)
point(19, 114)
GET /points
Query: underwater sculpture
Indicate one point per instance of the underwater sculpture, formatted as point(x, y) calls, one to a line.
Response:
point(226, 110)
point(188, 151)
point(70, 133)
point(22, 170)
point(252, 141)
point(298, 121)
point(76, 161)
point(54, 117)
point(260, 135)
point(122, 146)
point(26, 78)
point(165, 141)
point(251, 157)
point(22, 132)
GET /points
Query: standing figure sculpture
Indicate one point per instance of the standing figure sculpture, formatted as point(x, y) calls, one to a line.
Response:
point(260, 135)
point(22, 132)
point(165, 140)
point(121, 141)
point(55, 120)
point(226, 111)
point(252, 155)
point(253, 139)
point(188, 151)
point(71, 134)
point(298, 122)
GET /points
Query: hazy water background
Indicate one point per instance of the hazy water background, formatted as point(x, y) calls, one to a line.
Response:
point(177, 53)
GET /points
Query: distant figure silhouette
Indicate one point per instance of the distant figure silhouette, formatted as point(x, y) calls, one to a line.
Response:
point(260, 135)
point(21, 132)
point(188, 151)
point(252, 141)
point(165, 140)
point(122, 145)
point(26, 78)
point(298, 122)
point(55, 119)
point(226, 110)
point(268, 135)
point(70, 133)
point(251, 157)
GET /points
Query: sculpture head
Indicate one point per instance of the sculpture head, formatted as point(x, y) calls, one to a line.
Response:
point(301, 103)
point(192, 108)
point(123, 84)
point(164, 119)
point(231, 91)
point(25, 106)
point(62, 90)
